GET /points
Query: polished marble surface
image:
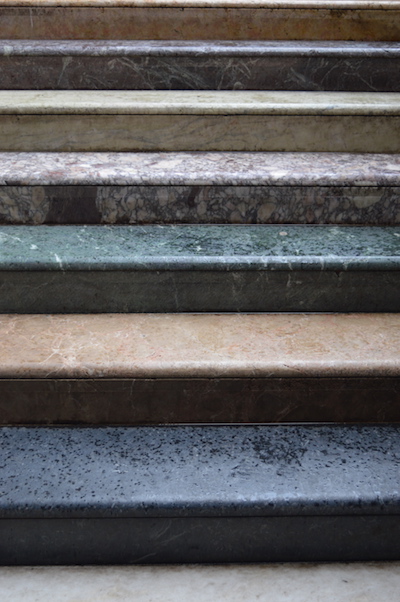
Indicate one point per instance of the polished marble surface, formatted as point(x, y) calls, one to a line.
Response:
point(234, 583)
point(189, 102)
point(194, 23)
point(214, 132)
point(201, 65)
point(184, 345)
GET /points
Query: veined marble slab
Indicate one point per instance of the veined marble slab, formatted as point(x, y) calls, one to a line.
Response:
point(355, 21)
point(311, 133)
point(68, 64)
point(91, 269)
point(37, 188)
point(188, 102)
point(157, 346)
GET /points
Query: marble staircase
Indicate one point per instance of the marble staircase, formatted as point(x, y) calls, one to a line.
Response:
point(199, 281)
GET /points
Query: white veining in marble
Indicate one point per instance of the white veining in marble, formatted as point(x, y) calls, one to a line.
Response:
point(189, 102)
point(351, 582)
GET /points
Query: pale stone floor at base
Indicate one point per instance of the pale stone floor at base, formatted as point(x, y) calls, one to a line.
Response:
point(357, 582)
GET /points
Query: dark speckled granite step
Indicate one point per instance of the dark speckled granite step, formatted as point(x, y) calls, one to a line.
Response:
point(151, 65)
point(199, 187)
point(85, 269)
point(199, 494)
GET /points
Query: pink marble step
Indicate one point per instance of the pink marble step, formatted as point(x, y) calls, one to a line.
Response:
point(149, 368)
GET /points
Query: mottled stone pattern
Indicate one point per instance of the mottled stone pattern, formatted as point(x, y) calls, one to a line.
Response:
point(199, 204)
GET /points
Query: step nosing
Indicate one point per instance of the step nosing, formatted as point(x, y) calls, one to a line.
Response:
point(199, 168)
point(188, 102)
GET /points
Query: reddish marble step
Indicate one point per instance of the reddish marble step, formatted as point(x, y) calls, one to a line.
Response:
point(165, 368)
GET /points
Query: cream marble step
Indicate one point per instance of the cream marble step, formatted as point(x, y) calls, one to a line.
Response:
point(185, 368)
point(362, 20)
point(226, 583)
point(199, 187)
point(191, 120)
point(200, 65)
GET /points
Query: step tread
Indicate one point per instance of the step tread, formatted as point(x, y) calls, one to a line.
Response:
point(199, 471)
point(190, 102)
point(199, 346)
point(294, 48)
point(200, 247)
point(199, 168)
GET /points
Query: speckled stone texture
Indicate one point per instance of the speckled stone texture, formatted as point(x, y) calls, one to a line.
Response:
point(142, 188)
point(199, 494)
point(267, 21)
point(125, 65)
point(85, 269)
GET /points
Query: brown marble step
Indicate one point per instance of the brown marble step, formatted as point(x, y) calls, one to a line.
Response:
point(163, 368)
point(199, 65)
point(166, 188)
point(361, 20)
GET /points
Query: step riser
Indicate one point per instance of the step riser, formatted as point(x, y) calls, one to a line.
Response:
point(162, 291)
point(199, 205)
point(199, 73)
point(214, 400)
point(177, 23)
point(347, 133)
point(198, 540)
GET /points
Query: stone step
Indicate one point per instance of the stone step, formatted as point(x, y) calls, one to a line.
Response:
point(145, 188)
point(213, 65)
point(183, 368)
point(85, 120)
point(199, 494)
point(363, 20)
point(200, 268)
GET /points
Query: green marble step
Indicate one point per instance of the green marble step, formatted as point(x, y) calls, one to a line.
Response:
point(199, 65)
point(88, 120)
point(87, 269)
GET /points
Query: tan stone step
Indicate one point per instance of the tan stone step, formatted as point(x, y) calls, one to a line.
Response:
point(159, 368)
point(362, 20)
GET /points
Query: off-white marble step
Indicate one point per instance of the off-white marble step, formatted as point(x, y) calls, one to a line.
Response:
point(192, 120)
point(368, 582)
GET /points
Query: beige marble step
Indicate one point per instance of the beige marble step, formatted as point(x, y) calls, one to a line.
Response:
point(192, 120)
point(362, 20)
point(153, 368)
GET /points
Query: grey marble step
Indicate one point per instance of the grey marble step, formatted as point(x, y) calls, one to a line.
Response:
point(201, 65)
point(199, 494)
point(199, 268)
point(145, 188)
point(89, 120)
